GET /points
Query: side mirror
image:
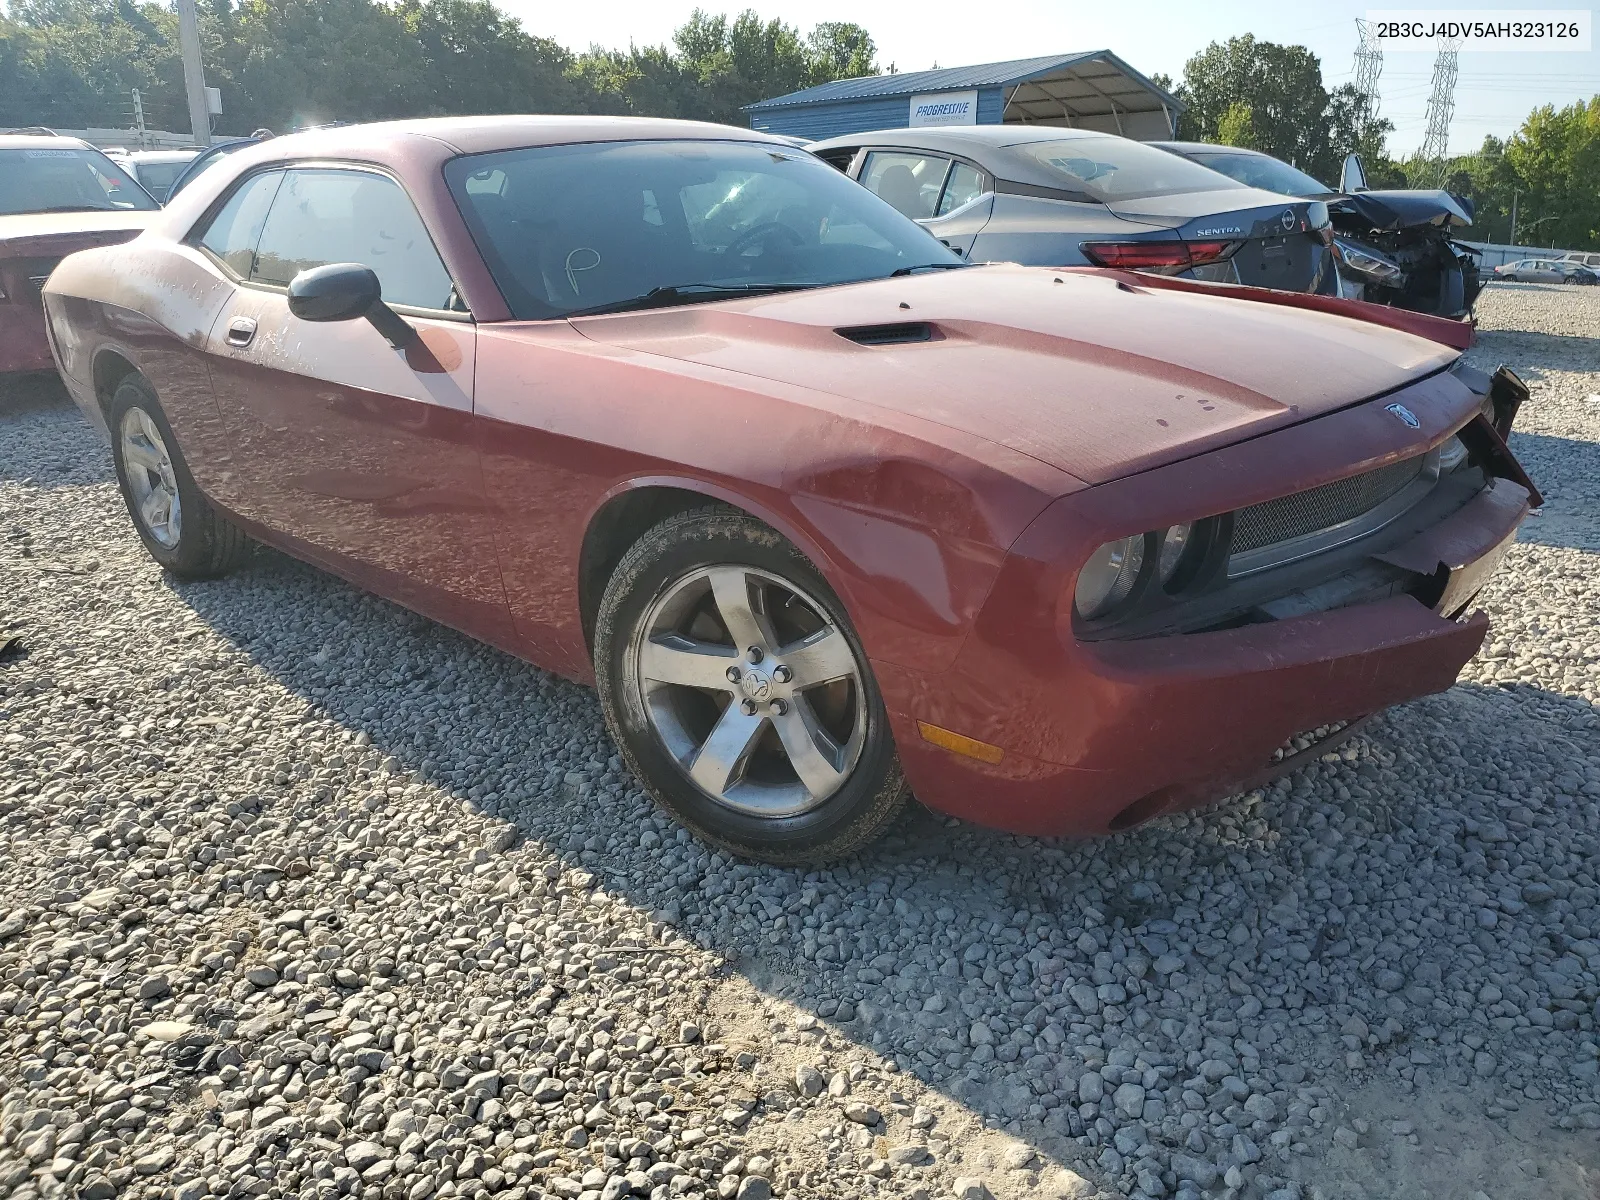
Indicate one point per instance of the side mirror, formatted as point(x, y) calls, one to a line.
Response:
point(344, 292)
point(1353, 178)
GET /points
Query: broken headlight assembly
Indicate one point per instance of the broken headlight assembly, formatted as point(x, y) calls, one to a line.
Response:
point(1368, 263)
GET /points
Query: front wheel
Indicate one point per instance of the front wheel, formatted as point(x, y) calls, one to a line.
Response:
point(739, 694)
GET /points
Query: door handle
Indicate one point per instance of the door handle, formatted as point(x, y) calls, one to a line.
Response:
point(241, 330)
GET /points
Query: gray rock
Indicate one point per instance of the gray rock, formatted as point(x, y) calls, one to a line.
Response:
point(361, 1155)
point(1129, 1099)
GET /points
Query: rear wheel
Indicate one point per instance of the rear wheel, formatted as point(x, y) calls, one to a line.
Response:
point(175, 522)
point(739, 694)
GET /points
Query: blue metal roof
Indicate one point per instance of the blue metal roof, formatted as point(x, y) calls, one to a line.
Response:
point(908, 83)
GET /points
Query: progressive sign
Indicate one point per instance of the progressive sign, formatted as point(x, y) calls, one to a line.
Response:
point(944, 108)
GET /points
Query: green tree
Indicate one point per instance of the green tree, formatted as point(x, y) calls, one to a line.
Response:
point(475, 58)
point(840, 50)
point(1281, 86)
point(289, 63)
point(1555, 157)
point(1271, 98)
point(1236, 127)
point(1352, 127)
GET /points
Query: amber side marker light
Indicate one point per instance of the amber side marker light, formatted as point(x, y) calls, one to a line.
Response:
point(957, 743)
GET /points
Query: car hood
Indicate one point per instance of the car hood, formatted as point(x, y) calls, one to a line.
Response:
point(1090, 375)
point(37, 235)
point(1402, 209)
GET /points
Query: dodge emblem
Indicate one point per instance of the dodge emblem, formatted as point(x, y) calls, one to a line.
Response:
point(1404, 414)
point(1288, 219)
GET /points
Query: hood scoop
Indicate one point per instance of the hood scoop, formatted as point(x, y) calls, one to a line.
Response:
point(896, 334)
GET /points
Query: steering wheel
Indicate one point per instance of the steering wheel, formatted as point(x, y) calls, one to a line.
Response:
point(761, 233)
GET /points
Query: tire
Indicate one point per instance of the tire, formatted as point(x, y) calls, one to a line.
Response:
point(665, 658)
point(194, 541)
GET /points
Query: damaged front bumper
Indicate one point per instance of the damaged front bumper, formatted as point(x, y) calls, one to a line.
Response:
point(1098, 735)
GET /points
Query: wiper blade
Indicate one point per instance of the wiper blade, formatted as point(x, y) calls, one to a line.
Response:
point(58, 208)
point(902, 272)
point(688, 293)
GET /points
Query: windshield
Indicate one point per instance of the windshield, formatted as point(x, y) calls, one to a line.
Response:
point(566, 229)
point(158, 177)
point(65, 179)
point(1108, 169)
point(1260, 171)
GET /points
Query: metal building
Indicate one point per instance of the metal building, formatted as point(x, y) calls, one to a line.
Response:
point(1091, 90)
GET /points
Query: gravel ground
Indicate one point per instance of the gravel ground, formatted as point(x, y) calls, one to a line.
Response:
point(304, 896)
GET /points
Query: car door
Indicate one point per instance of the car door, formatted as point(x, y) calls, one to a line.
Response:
point(949, 198)
point(363, 454)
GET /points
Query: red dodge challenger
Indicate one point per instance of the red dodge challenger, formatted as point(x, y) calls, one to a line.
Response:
point(828, 516)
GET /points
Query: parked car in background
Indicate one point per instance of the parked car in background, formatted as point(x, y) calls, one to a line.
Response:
point(1583, 259)
point(824, 510)
point(57, 195)
point(1394, 246)
point(1068, 197)
point(1545, 270)
point(211, 156)
point(156, 170)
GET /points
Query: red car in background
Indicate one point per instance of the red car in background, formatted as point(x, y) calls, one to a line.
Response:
point(825, 512)
point(57, 195)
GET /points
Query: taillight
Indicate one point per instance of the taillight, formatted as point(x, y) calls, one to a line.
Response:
point(1134, 256)
point(1209, 252)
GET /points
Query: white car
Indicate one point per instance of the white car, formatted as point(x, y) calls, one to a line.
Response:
point(1545, 270)
point(156, 169)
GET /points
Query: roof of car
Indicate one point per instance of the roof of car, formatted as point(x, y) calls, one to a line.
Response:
point(478, 135)
point(1197, 147)
point(162, 156)
point(992, 147)
point(41, 141)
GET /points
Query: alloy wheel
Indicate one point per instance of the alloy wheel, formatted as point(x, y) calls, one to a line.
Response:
point(752, 689)
point(148, 464)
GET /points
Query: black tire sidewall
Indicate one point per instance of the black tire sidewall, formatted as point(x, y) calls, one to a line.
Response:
point(193, 551)
point(850, 818)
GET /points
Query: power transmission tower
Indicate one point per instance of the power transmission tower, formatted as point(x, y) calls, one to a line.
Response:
point(1369, 64)
point(1441, 107)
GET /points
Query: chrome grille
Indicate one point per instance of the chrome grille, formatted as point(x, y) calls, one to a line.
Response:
point(1319, 508)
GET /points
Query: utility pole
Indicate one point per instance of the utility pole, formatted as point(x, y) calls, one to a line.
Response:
point(1514, 195)
point(138, 120)
point(194, 77)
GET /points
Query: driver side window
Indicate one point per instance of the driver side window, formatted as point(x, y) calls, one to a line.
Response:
point(326, 215)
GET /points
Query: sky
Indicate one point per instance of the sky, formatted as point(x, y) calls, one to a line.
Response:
point(1494, 93)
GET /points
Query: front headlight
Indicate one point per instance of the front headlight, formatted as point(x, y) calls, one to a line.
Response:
point(1365, 261)
point(1173, 544)
point(1451, 455)
point(1109, 577)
